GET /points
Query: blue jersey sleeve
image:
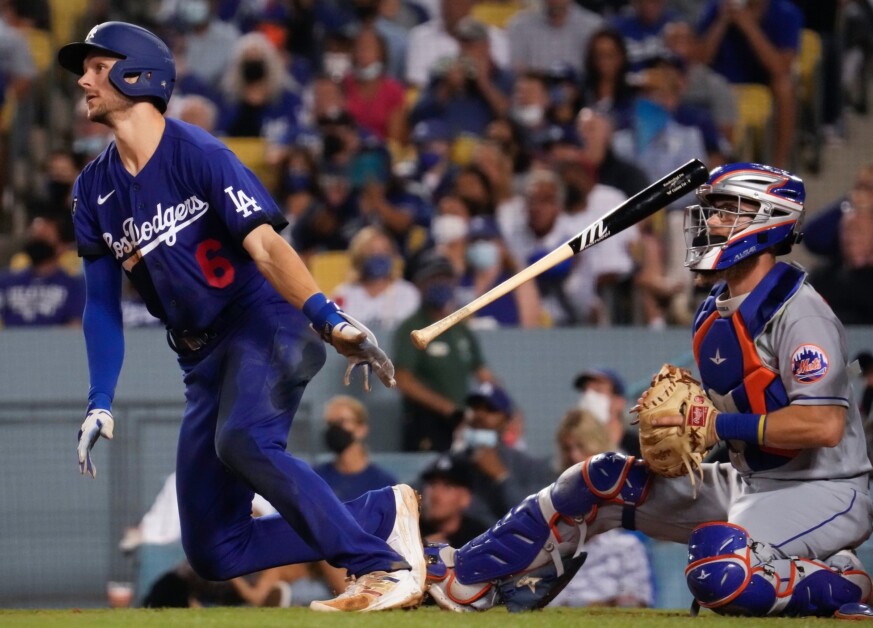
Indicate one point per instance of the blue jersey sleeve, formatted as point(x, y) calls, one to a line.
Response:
point(89, 240)
point(238, 197)
point(102, 324)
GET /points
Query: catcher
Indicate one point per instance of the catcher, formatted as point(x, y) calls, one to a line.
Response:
point(770, 533)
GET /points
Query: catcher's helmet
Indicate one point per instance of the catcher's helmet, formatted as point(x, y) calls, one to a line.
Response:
point(773, 220)
point(141, 53)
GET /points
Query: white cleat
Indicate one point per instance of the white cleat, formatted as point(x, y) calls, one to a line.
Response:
point(377, 591)
point(405, 537)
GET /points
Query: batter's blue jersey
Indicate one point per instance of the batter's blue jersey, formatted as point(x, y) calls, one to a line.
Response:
point(177, 227)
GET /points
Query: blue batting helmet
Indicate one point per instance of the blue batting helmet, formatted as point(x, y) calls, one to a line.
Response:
point(141, 53)
point(767, 213)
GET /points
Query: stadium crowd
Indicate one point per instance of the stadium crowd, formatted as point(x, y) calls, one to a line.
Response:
point(446, 126)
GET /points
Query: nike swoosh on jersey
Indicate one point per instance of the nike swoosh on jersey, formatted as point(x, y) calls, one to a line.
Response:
point(103, 199)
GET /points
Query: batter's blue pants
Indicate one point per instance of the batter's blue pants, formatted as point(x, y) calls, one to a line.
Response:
point(241, 398)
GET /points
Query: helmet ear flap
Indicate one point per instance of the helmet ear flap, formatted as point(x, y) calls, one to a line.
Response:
point(140, 52)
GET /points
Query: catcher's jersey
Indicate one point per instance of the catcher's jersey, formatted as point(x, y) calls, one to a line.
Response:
point(778, 345)
point(177, 227)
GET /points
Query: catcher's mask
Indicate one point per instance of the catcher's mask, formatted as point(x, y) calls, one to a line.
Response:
point(744, 209)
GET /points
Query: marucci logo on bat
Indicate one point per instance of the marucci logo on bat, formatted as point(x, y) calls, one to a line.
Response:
point(592, 235)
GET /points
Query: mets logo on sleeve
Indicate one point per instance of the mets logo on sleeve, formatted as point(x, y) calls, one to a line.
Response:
point(809, 364)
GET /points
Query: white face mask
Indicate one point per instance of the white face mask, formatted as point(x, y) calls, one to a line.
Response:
point(337, 64)
point(597, 404)
point(483, 254)
point(528, 115)
point(195, 12)
point(370, 72)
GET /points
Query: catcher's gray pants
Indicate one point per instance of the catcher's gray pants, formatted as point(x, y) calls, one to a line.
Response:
point(807, 519)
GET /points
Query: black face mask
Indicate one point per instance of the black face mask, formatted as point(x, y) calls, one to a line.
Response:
point(575, 195)
point(332, 145)
point(337, 438)
point(39, 251)
point(253, 70)
point(366, 11)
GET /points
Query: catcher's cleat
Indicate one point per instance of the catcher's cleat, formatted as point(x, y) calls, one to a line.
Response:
point(405, 537)
point(855, 611)
point(444, 588)
point(377, 591)
point(535, 589)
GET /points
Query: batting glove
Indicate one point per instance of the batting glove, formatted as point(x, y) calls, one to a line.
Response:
point(353, 340)
point(350, 338)
point(97, 423)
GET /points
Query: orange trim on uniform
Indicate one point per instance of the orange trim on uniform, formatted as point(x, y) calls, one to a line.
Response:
point(468, 600)
point(787, 590)
point(554, 528)
point(700, 334)
point(756, 376)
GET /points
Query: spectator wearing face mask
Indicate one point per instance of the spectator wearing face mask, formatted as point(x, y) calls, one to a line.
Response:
point(376, 101)
point(208, 41)
point(376, 293)
point(433, 383)
point(350, 473)
point(487, 264)
point(260, 98)
point(377, 14)
point(530, 106)
point(499, 474)
point(602, 394)
point(42, 294)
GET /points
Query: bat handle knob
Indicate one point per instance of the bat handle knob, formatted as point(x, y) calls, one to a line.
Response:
point(419, 339)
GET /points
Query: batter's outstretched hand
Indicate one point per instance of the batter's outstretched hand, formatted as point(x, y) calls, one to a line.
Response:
point(354, 341)
point(97, 423)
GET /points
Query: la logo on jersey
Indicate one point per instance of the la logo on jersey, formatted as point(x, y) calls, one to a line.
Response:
point(809, 363)
point(244, 203)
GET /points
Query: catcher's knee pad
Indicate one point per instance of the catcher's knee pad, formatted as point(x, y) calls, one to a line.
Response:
point(608, 477)
point(720, 574)
point(528, 536)
point(726, 575)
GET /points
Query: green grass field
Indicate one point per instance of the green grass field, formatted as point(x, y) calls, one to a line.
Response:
point(421, 618)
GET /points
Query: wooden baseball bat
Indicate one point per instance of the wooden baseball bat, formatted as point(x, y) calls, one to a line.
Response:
point(641, 205)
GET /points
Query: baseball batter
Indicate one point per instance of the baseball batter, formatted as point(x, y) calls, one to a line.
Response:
point(196, 233)
point(768, 534)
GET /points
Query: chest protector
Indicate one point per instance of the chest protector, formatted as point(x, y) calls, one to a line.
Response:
point(728, 358)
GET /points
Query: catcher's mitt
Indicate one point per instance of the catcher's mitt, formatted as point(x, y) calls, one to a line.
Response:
point(672, 451)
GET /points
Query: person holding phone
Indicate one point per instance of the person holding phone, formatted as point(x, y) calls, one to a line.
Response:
point(500, 475)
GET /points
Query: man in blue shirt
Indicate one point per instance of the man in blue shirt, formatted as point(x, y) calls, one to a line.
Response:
point(756, 41)
point(197, 234)
point(42, 294)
